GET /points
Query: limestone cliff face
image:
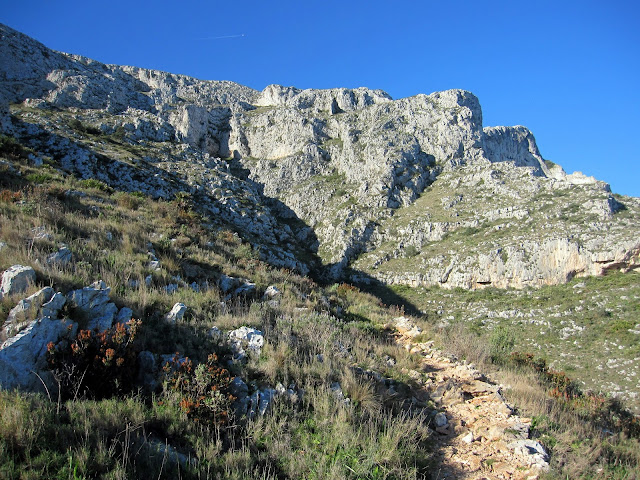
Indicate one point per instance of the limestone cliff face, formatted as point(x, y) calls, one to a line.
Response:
point(411, 191)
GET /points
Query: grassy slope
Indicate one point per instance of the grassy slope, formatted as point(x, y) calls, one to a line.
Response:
point(588, 327)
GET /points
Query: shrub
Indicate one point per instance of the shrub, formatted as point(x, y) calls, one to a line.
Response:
point(96, 365)
point(501, 344)
point(39, 177)
point(203, 391)
point(10, 148)
point(344, 289)
point(96, 184)
point(128, 200)
point(9, 196)
point(410, 251)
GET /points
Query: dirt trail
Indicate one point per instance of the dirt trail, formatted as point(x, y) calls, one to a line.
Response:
point(478, 433)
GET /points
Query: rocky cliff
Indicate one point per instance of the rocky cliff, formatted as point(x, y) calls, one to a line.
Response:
point(350, 183)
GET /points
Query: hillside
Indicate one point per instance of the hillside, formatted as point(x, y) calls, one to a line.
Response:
point(243, 228)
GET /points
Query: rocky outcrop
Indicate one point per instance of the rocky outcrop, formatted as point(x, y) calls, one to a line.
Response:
point(45, 303)
point(513, 144)
point(94, 302)
point(245, 341)
point(35, 322)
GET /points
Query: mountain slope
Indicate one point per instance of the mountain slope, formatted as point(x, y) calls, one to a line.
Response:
point(411, 191)
point(213, 198)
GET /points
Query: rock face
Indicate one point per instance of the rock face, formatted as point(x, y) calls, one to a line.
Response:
point(346, 182)
point(44, 303)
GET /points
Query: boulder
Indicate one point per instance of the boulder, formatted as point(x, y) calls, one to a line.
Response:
point(271, 292)
point(93, 301)
point(532, 452)
point(124, 315)
point(147, 371)
point(227, 283)
point(23, 356)
point(61, 257)
point(176, 313)
point(16, 279)
point(246, 338)
point(440, 420)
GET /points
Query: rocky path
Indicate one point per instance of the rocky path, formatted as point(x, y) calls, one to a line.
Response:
point(478, 434)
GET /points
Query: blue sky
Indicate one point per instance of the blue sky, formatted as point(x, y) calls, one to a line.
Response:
point(570, 71)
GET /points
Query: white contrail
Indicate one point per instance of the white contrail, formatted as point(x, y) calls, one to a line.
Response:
point(223, 36)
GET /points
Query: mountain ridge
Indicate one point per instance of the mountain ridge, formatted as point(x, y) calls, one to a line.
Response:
point(324, 174)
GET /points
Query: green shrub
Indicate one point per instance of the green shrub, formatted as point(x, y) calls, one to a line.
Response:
point(501, 344)
point(12, 149)
point(410, 251)
point(39, 177)
point(95, 184)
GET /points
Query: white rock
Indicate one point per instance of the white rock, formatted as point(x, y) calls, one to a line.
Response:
point(61, 257)
point(16, 279)
point(531, 451)
point(227, 283)
point(25, 353)
point(44, 303)
point(176, 313)
point(271, 292)
point(246, 338)
point(440, 420)
point(468, 438)
point(94, 302)
point(216, 333)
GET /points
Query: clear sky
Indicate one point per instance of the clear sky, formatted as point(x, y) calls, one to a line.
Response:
point(568, 70)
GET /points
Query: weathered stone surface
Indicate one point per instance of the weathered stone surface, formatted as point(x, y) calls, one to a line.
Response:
point(124, 315)
point(44, 303)
point(176, 313)
point(24, 354)
point(532, 452)
point(246, 341)
point(16, 279)
point(93, 301)
point(271, 292)
point(61, 257)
